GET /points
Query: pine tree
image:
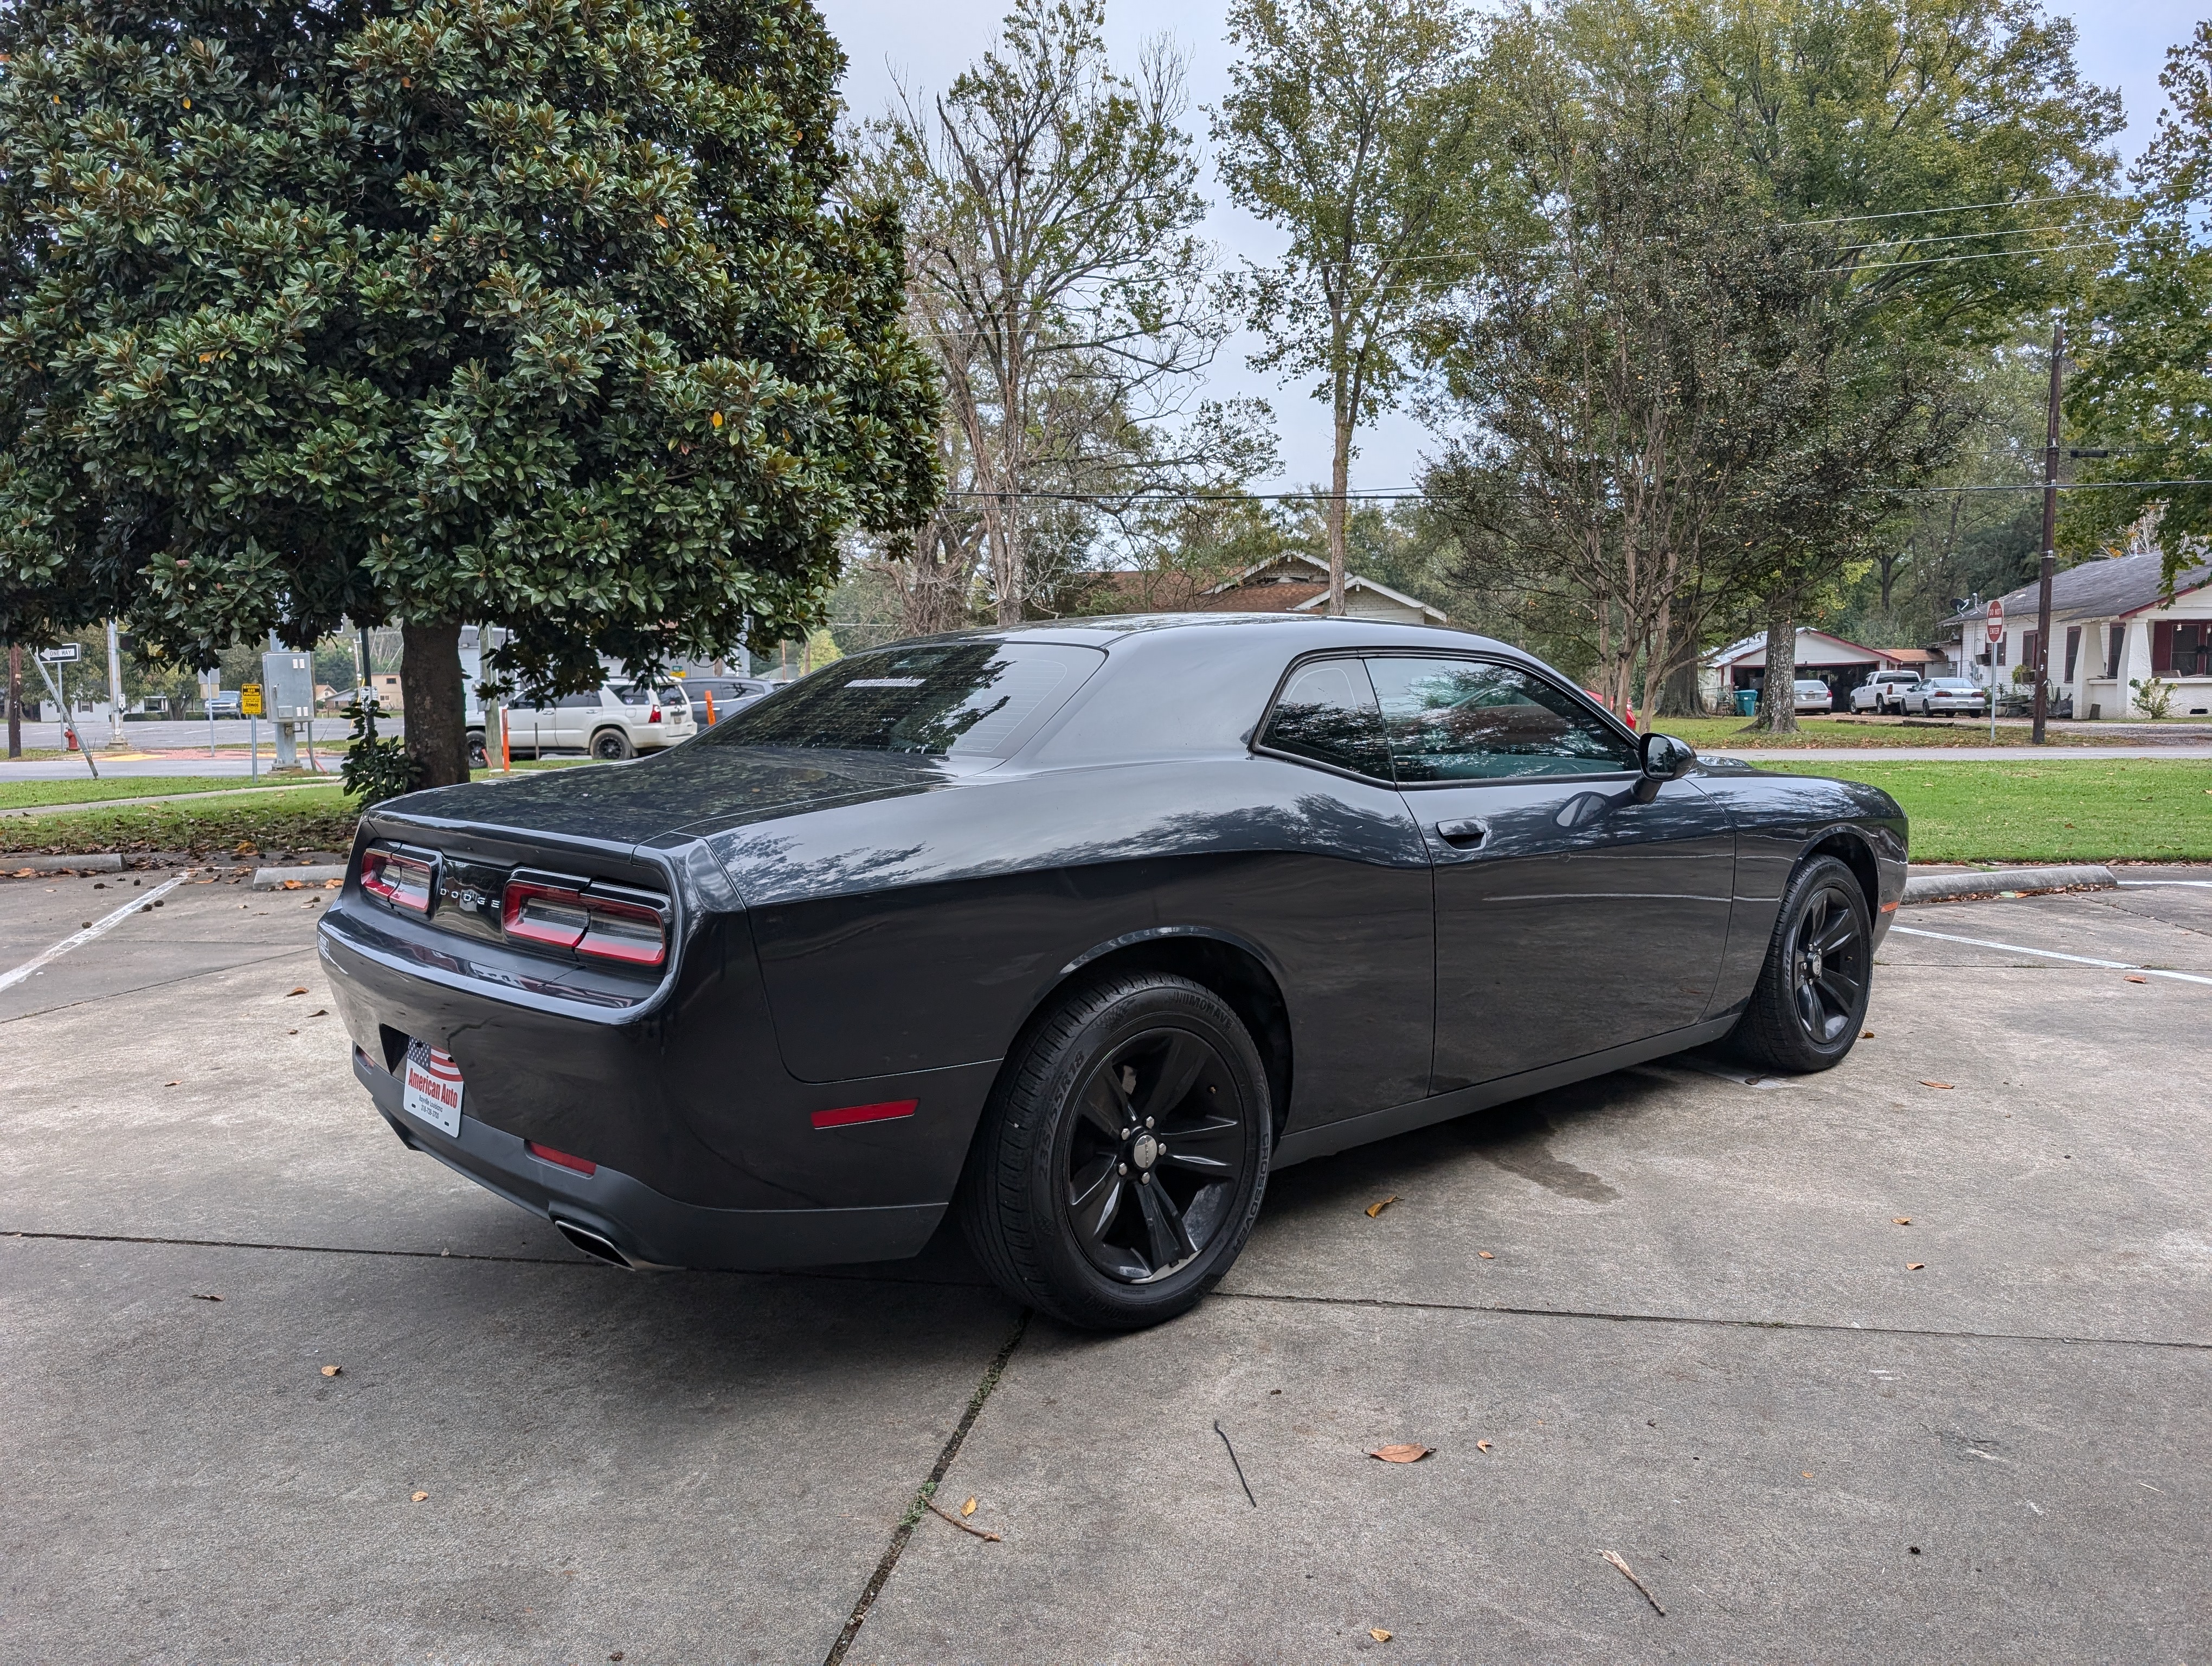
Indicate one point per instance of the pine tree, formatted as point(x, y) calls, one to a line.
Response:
point(542, 313)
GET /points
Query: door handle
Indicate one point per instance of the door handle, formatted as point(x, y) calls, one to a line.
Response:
point(1464, 835)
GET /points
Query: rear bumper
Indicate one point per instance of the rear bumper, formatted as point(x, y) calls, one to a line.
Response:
point(646, 1227)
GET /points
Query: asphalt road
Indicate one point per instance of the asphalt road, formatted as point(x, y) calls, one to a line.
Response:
point(1670, 1314)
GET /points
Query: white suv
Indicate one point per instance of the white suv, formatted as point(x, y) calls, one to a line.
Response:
point(1885, 691)
point(612, 721)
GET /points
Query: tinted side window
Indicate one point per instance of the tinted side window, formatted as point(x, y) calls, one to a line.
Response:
point(1474, 719)
point(1327, 713)
point(576, 703)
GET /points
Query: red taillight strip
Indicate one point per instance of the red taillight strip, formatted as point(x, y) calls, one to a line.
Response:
point(560, 1159)
point(384, 874)
point(889, 1111)
point(532, 911)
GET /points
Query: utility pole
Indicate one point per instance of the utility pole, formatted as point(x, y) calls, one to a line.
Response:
point(2050, 546)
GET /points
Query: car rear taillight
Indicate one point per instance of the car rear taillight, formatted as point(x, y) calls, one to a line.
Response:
point(573, 916)
point(654, 716)
point(405, 882)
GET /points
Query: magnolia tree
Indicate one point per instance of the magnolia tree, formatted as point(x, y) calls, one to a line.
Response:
point(545, 314)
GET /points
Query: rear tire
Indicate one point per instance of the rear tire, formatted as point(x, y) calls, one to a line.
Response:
point(1810, 1001)
point(478, 758)
point(1122, 1157)
point(611, 746)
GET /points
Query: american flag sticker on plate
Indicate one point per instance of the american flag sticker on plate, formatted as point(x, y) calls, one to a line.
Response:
point(430, 1088)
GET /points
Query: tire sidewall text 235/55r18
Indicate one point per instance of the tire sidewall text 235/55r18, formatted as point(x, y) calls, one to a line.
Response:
point(1116, 1051)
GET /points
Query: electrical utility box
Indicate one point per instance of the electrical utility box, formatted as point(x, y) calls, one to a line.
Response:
point(287, 683)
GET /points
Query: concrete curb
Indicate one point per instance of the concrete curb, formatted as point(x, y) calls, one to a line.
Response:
point(1944, 887)
point(275, 878)
point(98, 862)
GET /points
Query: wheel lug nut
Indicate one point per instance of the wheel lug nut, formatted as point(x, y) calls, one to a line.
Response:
point(1121, 1168)
point(1148, 1121)
point(1144, 1180)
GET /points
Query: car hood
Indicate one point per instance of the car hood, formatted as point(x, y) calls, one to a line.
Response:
point(692, 789)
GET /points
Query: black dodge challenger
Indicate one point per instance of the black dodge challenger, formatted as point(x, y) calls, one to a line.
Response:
point(1078, 930)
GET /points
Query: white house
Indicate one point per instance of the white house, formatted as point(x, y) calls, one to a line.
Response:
point(2111, 624)
point(1843, 666)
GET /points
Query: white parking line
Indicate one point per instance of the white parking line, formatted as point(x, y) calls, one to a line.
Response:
point(2053, 954)
point(2149, 885)
point(9, 980)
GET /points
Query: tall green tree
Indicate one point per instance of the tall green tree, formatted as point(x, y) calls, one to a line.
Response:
point(1056, 272)
point(2142, 388)
point(1347, 128)
point(543, 314)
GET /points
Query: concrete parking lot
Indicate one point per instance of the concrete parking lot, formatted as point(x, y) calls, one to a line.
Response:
point(1904, 1362)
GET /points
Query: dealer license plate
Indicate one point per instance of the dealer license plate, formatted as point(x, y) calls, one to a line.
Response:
point(430, 1088)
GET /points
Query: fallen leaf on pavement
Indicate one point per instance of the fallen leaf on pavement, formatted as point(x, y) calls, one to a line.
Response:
point(1481, 1445)
point(320, 1012)
point(332, 1371)
point(416, 1498)
point(1486, 1255)
point(1924, 1082)
point(1808, 1473)
point(2132, 978)
point(1378, 1633)
point(1902, 1221)
point(291, 1032)
point(1401, 1454)
point(1914, 1266)
point(301, 990)
point(1866, 1034)
point(169, 1085)
point(1375, 1209)
point(969, 1508)
point(291, 884)
point(198, 1297)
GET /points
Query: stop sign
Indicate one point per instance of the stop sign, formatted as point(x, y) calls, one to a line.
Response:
point(1997, 622)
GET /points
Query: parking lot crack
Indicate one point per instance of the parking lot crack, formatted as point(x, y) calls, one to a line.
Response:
point(915, 1510)
point(1616, 1317)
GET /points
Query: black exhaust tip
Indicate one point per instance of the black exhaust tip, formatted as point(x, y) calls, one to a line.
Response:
point(593, 1243)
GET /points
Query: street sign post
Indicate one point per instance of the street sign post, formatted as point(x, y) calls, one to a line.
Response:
point(50, 656)
point(249, 701)
point(1996, 636)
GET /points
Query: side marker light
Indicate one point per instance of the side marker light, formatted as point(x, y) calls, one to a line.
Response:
point(889, 1111)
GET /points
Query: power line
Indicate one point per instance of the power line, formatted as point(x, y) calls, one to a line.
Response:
point(1413, 495)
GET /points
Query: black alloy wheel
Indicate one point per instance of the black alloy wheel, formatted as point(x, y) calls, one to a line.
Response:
point(1121, 1160)
point(478, 758)
point(611, 746)
point(1152, 1165)
point(1811, 997)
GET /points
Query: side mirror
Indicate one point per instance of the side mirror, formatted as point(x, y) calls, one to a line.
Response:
point(1665, 759)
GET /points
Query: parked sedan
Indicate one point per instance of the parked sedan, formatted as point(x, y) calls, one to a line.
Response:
point(1812, 695)
point(1948, 696)
point(714, 699)
point(1076, 933)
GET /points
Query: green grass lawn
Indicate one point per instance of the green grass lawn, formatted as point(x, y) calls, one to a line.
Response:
point(313, 818)
point(1732, 734)
point(2049, 809)
point(21, 794)
point(308, 817)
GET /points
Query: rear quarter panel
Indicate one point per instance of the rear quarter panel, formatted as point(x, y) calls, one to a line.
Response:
point(920, 934)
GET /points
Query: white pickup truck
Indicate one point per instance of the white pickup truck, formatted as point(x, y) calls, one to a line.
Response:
point(1885, 691)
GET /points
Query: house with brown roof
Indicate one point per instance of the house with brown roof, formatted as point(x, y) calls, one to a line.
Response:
point(1289, 583)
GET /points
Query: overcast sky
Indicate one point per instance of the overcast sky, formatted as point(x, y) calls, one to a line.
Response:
point(2122, 45)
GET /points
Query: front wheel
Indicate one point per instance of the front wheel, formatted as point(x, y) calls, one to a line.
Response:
point(1811, 997)
point(478, 758)
point(1122, 1157)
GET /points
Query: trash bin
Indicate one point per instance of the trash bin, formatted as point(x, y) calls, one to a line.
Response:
point(1747, 702)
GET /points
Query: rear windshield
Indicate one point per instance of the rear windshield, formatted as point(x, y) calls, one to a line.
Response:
point(941, 700)
point(1949, 682)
